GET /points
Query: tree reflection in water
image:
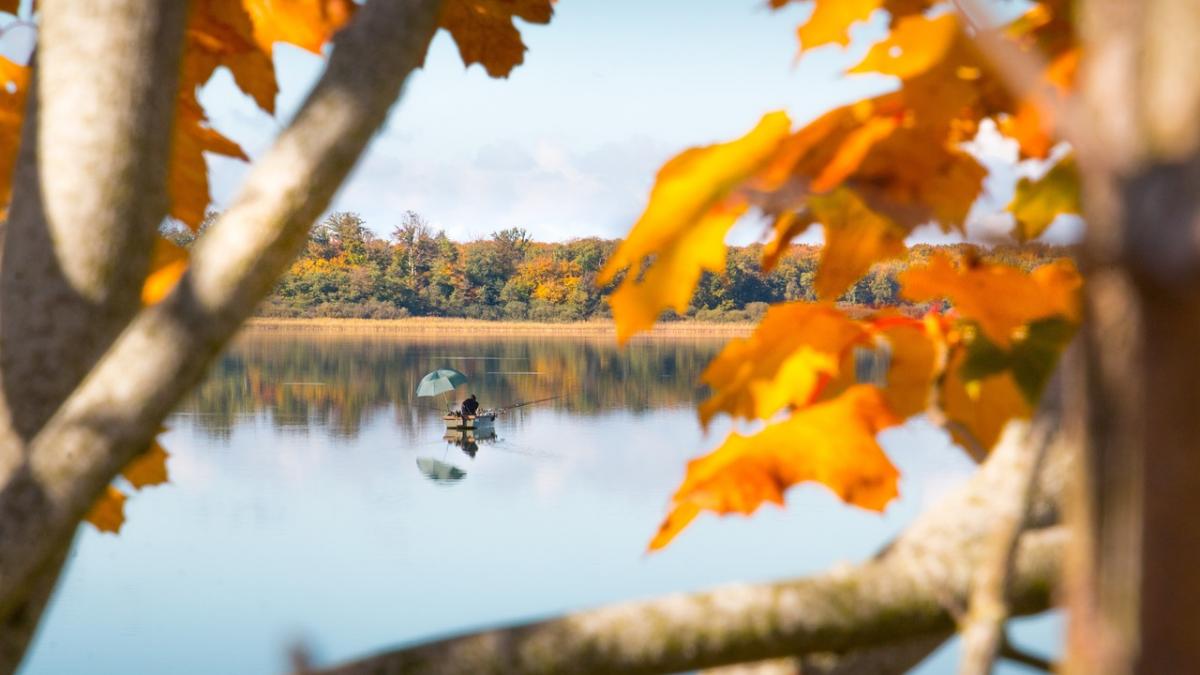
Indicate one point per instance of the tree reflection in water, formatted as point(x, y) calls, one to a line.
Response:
point(336, 383)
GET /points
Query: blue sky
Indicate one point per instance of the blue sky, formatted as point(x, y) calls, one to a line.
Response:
point(568, 145)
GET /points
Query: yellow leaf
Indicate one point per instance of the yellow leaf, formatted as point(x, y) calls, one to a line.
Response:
point(900, 356)
point(831, 20)
point(148, 468)
point(670, 280)
point(168, 262)
point(108, 513)
point(794, 350)
point(832, 443)
point(787, 226)
point(1038, 202)
point(913, 360)
point(852, 151)
point(187, 175)
point(682, 232)
point(14, 83)
point(484, 30)
point(977, 411)
point(308, 24)
point(914, 46)
point(1000, 297)
point(855, 238)
point(221, 33)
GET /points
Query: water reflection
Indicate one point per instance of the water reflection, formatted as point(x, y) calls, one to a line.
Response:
point(468, 440)
point(439, 471)
point(338, 383)
point(313, 497)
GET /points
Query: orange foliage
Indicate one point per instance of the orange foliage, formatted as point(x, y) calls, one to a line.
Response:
point(868, 173)
point(484, 30)
point(832, 443)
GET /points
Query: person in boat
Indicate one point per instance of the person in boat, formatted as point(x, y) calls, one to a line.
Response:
point(470, 406)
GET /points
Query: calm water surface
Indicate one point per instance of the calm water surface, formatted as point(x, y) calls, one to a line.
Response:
point(314, 499)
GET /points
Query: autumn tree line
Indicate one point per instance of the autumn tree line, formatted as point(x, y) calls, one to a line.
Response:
point(347, 271)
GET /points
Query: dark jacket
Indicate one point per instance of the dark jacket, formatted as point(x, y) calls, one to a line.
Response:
point(469, 406)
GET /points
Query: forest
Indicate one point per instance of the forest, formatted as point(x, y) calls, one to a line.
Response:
point(347, 271)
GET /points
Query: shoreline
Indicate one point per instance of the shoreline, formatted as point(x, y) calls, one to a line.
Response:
point(434, 326)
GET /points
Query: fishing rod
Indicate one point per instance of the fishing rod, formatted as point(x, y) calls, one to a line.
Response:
point(525, 403)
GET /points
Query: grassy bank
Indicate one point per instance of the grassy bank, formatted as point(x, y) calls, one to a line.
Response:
point(470, 327)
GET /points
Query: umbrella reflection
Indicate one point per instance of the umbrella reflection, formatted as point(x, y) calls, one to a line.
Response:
point(439, 471)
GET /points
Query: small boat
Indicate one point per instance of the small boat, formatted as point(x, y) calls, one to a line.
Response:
point(481, 421)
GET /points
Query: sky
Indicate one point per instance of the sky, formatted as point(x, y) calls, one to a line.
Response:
point(568, 145)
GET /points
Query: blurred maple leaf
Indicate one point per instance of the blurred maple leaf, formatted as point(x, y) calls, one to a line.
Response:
point(168, 262)
point(1002, 299)
point(148, 468)
point(108, 513)
point(484, 30)
point(1036, 203)
point(794, 351)
point(832, 443)
point(14, 84)
point(682, 231)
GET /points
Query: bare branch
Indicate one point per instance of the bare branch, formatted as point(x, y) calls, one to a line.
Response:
point(115, 412)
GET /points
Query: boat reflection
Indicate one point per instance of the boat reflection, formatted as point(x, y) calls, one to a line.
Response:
point(468, 440)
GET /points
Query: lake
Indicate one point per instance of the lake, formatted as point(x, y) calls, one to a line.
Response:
point(314, 499)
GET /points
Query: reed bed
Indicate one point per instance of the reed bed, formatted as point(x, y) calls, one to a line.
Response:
point(434, 326)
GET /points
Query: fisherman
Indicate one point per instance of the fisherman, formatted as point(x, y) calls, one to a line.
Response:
point(470, 406)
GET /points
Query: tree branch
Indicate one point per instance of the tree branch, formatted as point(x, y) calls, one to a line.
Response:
point(893, 658)
point(89, 191)
point(115, 412)
point(982, 630)
point(894, 598)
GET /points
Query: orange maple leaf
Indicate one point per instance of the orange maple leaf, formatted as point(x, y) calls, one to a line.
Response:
point(1001, 298)
point(683, 228)
point(832, 443)
point(855, 238)
point(794, 351)
point(168, 262)
point(187, 174)
point(14, 83)
point(901, 356)
point(831, 20)
point(108, 513)
point(977, 411)
point(484, 30)
point(148, 468)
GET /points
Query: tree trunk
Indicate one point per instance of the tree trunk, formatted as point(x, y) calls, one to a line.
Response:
point(1135, 592)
